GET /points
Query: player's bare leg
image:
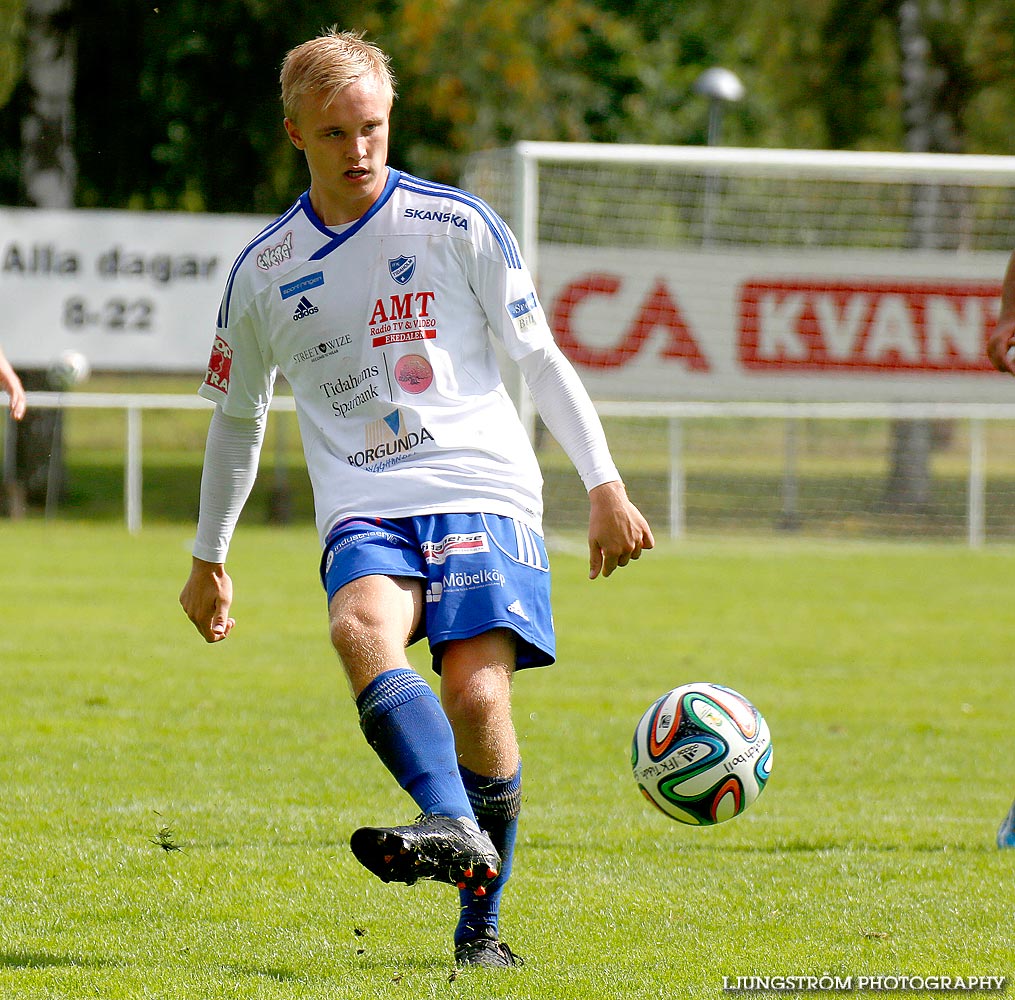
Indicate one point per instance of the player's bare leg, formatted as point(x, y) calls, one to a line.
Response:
point(476, 692)
point(371, 621)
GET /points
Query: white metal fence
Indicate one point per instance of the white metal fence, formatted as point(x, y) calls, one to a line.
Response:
point(975, 415)
point(133, 406)
point(677, 415)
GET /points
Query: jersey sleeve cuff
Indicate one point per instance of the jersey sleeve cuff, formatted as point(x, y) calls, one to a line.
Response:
point(599, 476)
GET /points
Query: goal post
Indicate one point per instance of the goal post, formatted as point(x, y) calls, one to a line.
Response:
point(715, 274)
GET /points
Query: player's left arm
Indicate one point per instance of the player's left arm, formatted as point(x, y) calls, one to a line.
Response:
point(618, 531)
point(1002, 338)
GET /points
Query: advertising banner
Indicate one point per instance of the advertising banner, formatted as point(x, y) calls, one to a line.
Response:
point(132, 291)
point(139, 291)
point(818, 326)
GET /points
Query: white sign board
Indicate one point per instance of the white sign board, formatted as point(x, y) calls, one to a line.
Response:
point(139, 291)
point(815, 326)
point(132, 291)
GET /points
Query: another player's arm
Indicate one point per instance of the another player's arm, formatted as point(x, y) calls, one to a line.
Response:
point(11, 384)
point(1002, 338)
point(230, 467)
point(618, 532)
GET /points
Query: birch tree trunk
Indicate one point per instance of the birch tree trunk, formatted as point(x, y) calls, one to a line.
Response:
point(48, 172)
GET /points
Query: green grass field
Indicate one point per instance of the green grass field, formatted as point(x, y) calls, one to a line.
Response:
point(884, 671)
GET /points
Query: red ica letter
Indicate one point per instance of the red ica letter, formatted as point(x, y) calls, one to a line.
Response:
point(657, 311)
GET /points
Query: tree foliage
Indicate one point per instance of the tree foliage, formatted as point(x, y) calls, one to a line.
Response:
point(11, 24)
point(534, 69)
point(177, 100)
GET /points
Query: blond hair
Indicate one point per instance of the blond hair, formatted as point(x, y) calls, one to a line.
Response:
point(328, 64)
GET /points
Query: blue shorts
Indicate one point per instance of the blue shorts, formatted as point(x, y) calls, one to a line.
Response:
point(481, 572)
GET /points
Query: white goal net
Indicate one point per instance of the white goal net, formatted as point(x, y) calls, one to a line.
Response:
point(681, 275)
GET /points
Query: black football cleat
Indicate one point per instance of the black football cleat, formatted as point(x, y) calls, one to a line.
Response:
point(448, 850)
point(487, 952)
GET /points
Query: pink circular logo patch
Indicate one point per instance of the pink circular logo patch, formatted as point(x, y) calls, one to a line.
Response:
point(414, 373)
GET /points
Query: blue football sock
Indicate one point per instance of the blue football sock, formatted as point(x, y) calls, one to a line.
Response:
point(497, 803)
point(403, 721)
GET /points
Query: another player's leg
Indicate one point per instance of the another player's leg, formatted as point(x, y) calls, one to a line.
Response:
point(1006, 831)
point(476, 691)
point(402, 719)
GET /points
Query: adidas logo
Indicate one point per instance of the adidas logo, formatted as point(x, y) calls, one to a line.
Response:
point(304, 308)
point(515, 607)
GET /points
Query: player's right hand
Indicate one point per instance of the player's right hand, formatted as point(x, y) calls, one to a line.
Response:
point(207, 597)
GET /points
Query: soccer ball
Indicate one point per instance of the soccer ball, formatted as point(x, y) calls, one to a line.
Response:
point(702, 754)
point(68, 370)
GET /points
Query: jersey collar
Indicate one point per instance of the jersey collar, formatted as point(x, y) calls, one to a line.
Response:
point(335, 240)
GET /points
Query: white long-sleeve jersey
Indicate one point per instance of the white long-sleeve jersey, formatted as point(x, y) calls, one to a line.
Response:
point(383, 329)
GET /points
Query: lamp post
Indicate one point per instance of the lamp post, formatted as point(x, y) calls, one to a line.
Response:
point(721, 87)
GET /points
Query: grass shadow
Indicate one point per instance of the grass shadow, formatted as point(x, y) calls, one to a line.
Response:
point(275, 974)
point(44, 960)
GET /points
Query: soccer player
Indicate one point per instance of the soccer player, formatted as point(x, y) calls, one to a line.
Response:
point(1001, 351)
point(11, 384)
point(380, 297)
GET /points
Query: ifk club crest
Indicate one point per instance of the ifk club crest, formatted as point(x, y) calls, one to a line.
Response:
point(402, 268)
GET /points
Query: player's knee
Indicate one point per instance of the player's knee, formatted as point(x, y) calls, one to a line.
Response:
point(477, 698)
point(354, 633)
